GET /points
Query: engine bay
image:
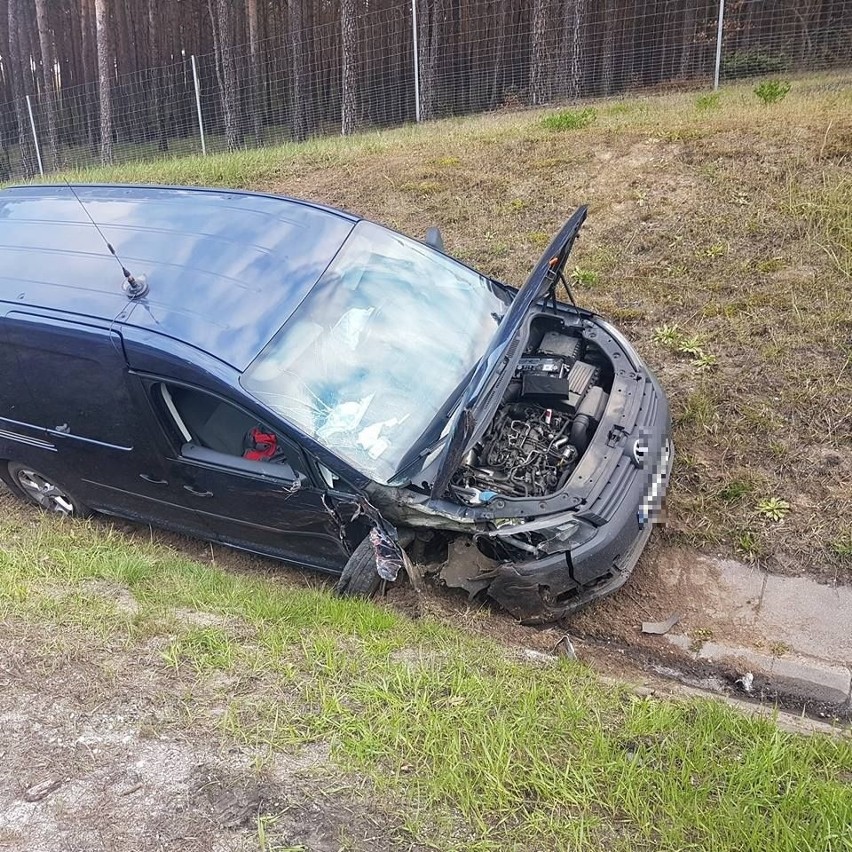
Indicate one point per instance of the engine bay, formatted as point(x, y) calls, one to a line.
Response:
point(545, 421)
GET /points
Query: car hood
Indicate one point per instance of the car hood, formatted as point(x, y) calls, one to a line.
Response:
point(475, 401)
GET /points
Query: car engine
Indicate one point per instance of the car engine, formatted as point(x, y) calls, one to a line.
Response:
point(543, 426)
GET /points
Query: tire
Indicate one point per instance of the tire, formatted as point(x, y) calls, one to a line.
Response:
point(44, 492)
point(360, 579)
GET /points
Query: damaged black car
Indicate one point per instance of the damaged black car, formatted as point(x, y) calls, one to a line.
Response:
point(292, 380)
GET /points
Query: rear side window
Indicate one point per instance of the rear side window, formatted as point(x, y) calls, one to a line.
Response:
point(65, 376)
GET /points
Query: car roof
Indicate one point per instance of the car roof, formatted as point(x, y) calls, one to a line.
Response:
point(224, 268)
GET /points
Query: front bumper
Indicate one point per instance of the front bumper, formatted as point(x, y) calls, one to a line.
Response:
point(556, 585)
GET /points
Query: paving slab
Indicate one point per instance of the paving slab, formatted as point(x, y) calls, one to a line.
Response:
point(811, 618)
point(791, 632)
point(822, 682)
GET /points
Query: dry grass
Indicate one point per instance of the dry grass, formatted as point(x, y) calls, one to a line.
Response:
point(732, 225)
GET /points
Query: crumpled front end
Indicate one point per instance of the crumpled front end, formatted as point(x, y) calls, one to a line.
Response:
point(550, 555)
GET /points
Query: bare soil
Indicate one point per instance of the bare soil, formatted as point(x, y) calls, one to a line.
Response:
point(97, 754)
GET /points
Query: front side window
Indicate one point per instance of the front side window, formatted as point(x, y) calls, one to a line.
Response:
point(378, 348)
point(207, 422)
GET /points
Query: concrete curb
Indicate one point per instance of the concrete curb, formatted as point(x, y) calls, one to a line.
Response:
point(818, 687)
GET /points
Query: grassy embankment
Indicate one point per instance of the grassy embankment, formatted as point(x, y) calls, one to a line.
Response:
point(719, 238)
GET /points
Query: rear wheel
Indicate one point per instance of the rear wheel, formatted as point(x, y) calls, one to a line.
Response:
point(360, 578)
point(45, 492)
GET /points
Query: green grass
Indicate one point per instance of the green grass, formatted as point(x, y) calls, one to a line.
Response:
point(570, 119)
point(478, 750)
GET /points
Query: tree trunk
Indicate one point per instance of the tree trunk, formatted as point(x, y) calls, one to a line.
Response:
point(49, 77)
point(254, 72)
point(222, 19)
point(299, 69)
point(690, 13)
point(499, 51)
point(105, 75)
point(539, 76)
point(578, 11)
point(156, 75)
point(17, 86)
point(349, 54)
point(611, 21)
point(429, 68)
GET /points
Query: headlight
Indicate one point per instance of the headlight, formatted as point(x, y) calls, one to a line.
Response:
point(544, 535)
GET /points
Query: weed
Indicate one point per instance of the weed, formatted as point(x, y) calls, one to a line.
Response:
point(772, 264)
point(748, 543)
point(423, 187)
point(619, 109)
point(715, 250)
point(778, 649)
point(570, 119)
point(704, 362)
point(773, 508)
point(667, 335)
point(712, 101)
point(735, 490)
point(689, 345)
point(842, 545)
point(584, 277)
point(772, 91)
point(676, 340)
point(699, 636)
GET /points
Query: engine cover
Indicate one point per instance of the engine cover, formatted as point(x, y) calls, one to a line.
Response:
point(526, 453)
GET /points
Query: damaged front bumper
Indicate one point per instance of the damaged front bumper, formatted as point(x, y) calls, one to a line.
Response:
point(556, 584)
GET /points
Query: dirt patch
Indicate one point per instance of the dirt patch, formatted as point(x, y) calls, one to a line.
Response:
point(669, 580)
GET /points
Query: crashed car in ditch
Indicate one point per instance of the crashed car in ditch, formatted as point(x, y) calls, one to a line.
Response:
point(295, 381)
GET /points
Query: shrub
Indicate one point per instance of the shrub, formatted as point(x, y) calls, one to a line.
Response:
point(750, 63)
point(772, 91)
point(703, 103)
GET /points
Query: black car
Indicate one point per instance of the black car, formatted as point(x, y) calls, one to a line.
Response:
point(295, 381)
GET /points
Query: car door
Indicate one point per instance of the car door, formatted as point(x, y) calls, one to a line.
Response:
point(250, 483)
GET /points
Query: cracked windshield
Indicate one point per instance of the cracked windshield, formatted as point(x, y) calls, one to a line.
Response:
point(378, 348)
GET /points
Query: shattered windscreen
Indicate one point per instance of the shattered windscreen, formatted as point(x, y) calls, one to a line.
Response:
point(377, 348)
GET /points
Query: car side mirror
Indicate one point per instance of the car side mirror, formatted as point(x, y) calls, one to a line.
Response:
point(434, 239)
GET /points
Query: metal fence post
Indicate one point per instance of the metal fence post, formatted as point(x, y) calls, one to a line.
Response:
point(35, 136)
point(416, 60)
point(719, 45)
point(198, 105)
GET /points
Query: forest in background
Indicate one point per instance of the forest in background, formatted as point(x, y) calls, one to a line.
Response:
point(98, 80)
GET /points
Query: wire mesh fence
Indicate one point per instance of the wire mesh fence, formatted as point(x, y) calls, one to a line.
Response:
point(409, 62)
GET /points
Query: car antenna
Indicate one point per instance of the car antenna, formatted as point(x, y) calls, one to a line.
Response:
point(134, 287)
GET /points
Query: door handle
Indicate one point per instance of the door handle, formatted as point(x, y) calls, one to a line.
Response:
point(195, 492)
point(153, 479)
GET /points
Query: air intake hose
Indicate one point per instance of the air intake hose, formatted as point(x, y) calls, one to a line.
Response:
point(589, 414)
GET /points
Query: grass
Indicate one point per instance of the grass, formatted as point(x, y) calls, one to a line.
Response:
point(570, 119)
point(473, 748)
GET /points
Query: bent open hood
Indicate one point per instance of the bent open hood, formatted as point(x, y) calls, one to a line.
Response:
point(477, 398)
